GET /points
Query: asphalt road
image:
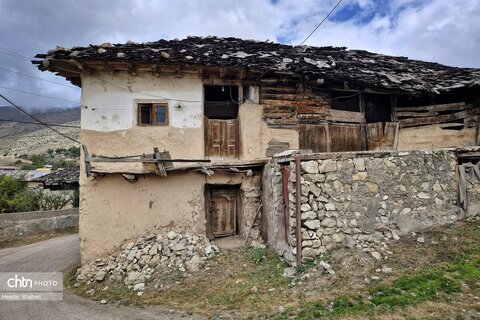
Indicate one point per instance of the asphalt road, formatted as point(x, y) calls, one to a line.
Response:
point(61, 254)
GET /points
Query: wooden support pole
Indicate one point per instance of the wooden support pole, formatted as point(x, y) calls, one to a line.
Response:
point(86, 158)
point(298, 213)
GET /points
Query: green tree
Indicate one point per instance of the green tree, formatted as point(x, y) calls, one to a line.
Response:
point(15, 195)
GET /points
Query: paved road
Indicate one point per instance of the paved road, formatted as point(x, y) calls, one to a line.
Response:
point(61, 254)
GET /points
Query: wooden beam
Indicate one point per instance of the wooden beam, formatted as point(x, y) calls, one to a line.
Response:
point(86, 157)
point(438, 119)
point(108, 67)
point(436, 107)
point(146, 160)
point(156, 70)
point(346, 116)
point(132, 69)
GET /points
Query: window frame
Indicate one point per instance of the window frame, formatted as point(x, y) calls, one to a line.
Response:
point(153, 114)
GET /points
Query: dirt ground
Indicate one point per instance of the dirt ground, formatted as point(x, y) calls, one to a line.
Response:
point(237, 284)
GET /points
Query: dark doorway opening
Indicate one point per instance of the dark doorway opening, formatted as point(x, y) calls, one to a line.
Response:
point(221, 102)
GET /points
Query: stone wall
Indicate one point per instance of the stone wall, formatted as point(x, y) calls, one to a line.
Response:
point(20, 224)
point(364, 200)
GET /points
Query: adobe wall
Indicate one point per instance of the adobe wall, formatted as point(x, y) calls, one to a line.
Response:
point(429, 137)
point(114, 210)
point(364, 201)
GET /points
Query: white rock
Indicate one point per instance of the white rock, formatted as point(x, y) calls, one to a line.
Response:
point(139, 287)
point(376, 255)
point(328, 165)
point(327, 267)
point(310, 166)
point(312, 224)
point(289, 272)
point(171, 235)
point(359, 164)
point(330, 206)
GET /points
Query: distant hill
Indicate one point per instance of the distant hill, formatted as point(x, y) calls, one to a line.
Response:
point(8, 128)
point(18, 138)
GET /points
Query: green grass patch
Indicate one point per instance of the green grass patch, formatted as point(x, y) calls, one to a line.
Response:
point(408, 290)
point(427, 284)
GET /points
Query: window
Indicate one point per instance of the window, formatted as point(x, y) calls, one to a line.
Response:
point(221, 102)
point(347, 101)
point(152, 114)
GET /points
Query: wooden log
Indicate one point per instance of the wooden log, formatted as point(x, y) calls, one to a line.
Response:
point(278, 90)
point(408, 114)
point(278, 96)
point(312, 109)
point(276, 102)
point(436, 107)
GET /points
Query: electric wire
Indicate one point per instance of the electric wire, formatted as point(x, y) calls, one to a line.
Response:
point(37, 78)
point(321, 22)
point(311, 33)
point(37, 94)
point(36, 119)
point(15, 53)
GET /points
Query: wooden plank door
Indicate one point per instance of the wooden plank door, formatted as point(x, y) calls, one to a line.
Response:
point(223, 211)
point(221, 138)
point(314, 137)
point(331, 137)
point(345, 137)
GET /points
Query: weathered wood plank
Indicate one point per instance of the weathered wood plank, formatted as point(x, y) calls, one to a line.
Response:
point(312, 109)
point(438, 119)
point(436, 107)
point(346, 116)
point(276, 102)
point(277, 96)
point(411, 114)
point(278, 89)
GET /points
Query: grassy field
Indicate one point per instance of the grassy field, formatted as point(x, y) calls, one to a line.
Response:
point(437, 279)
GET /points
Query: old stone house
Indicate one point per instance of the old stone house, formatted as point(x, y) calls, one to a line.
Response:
point(237, 103)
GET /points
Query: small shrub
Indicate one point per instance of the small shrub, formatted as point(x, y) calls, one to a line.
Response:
point(54, 200)
point(257, 254)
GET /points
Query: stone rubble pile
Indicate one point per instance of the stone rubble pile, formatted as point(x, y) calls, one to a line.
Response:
point(137, 261)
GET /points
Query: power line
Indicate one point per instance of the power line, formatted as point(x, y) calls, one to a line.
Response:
point(37, 94)
point(29, 76)
point(36, 119)
point(36, 123)
point(324, 19)
point(15, 53)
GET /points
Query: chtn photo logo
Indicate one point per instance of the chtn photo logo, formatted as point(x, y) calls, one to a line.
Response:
point(17, 282)
point(25, 282)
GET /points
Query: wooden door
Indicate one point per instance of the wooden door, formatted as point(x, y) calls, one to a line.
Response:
point(331, 137)
point(314, 137)
point(223, 212)
point(221, 138)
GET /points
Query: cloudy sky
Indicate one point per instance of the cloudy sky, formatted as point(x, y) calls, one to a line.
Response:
point(443, 31)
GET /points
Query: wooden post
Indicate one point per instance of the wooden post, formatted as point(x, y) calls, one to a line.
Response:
point(298, 213)
point(86, 157)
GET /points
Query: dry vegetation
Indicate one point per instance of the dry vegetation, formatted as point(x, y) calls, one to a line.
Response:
point(435, 279)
